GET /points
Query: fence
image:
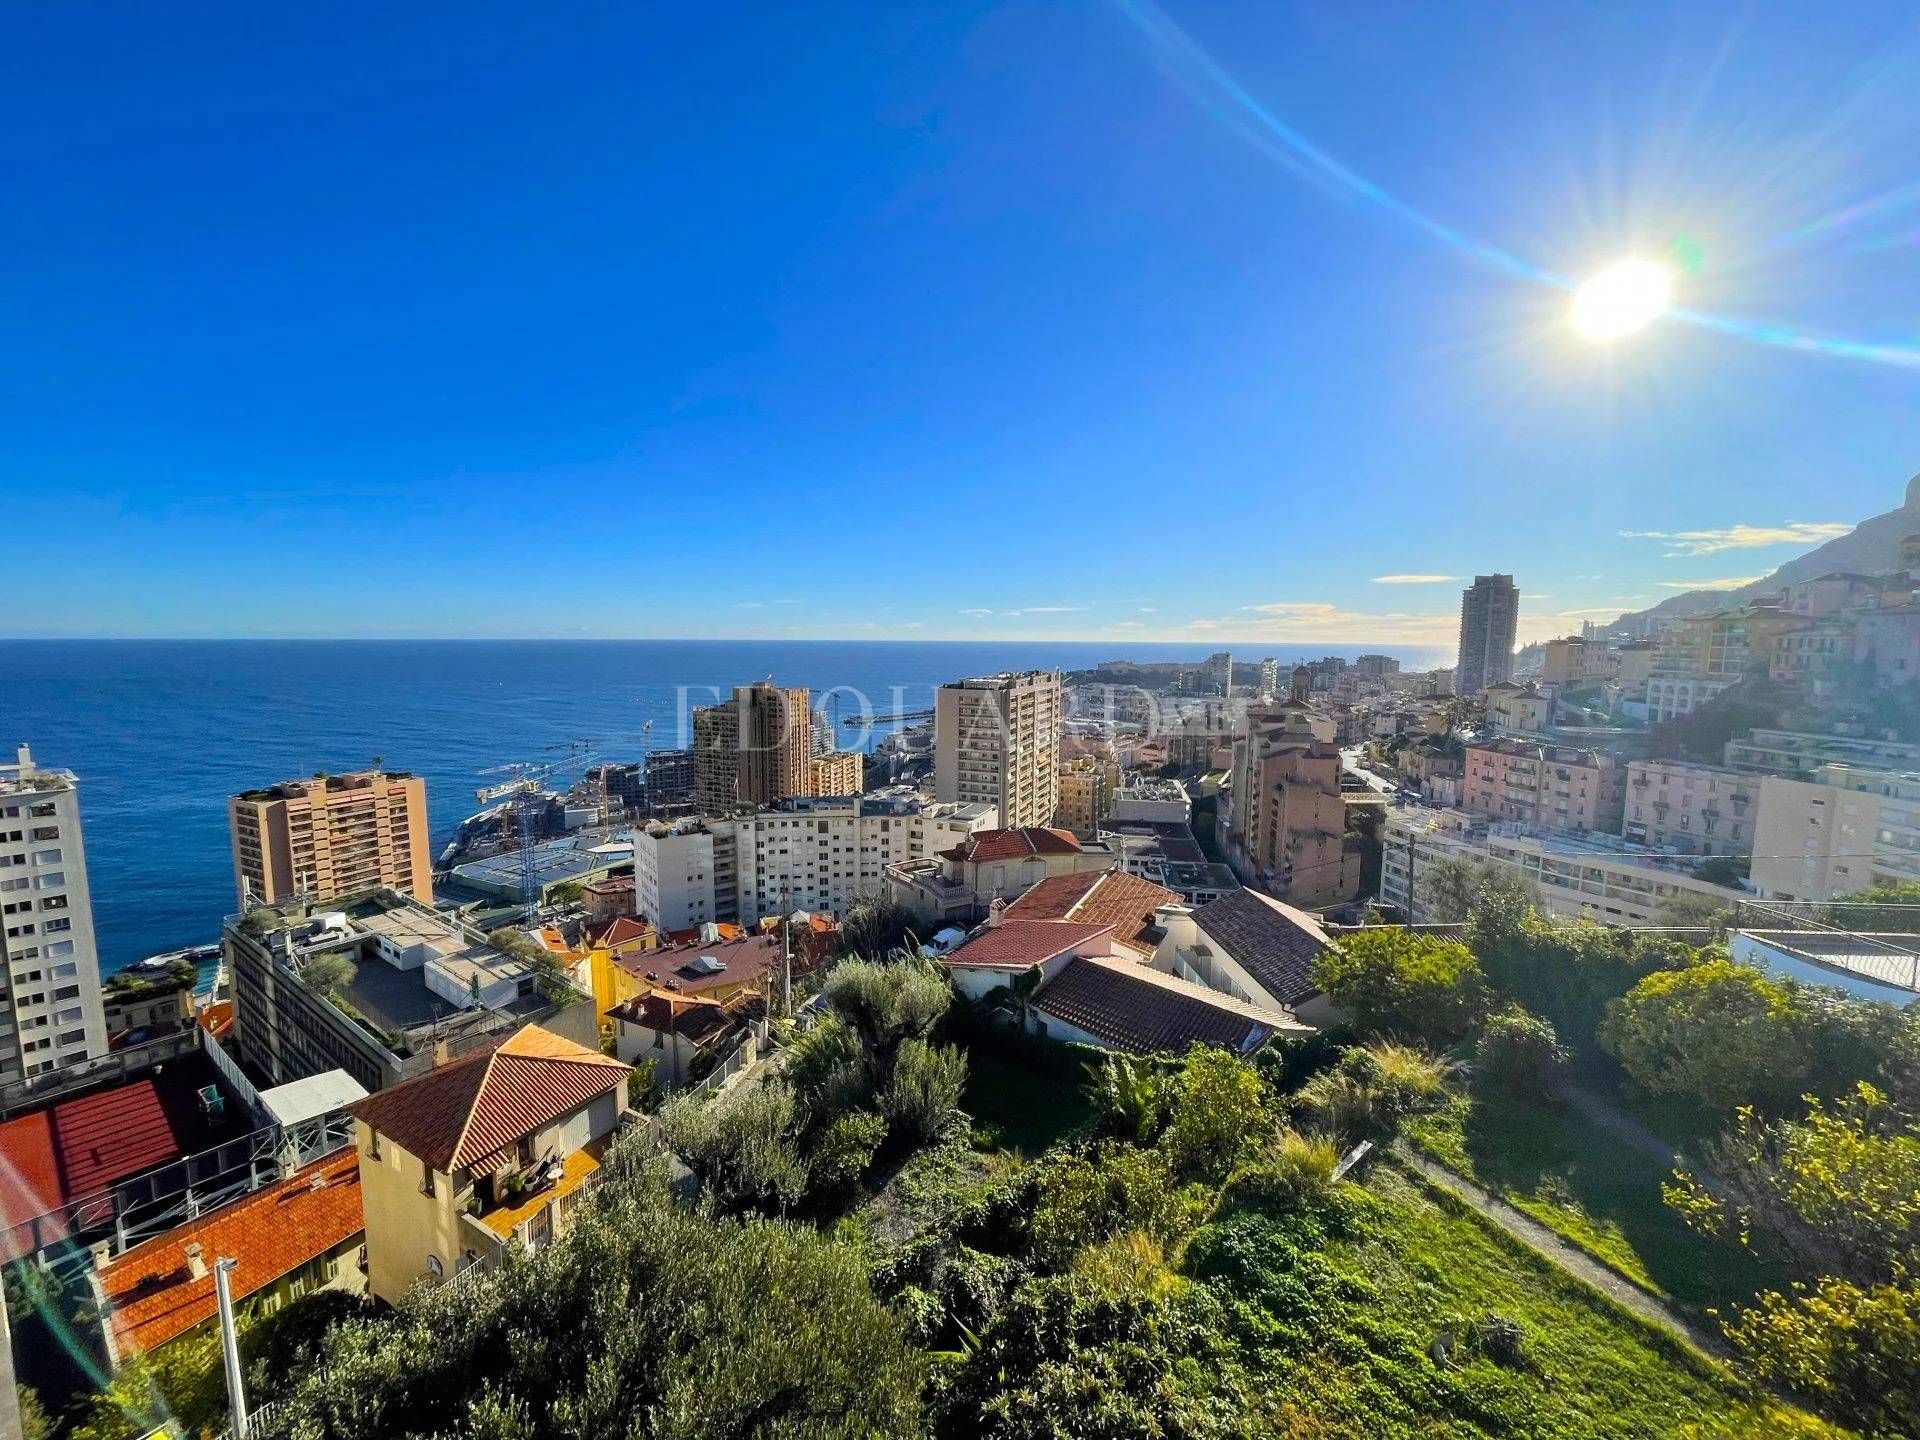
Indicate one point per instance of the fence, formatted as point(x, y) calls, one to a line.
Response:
point(83, 1075)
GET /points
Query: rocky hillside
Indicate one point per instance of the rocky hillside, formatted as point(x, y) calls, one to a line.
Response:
point(1871, 548)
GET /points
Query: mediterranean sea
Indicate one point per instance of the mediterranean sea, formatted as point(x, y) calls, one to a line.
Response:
point(161, 732)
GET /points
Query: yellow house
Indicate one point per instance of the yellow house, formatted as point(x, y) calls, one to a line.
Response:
point(491, 1148)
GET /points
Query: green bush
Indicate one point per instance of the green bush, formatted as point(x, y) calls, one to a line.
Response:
point(1717, 1034)
point(739, 1145)
point(1370, 1091)
point(1216, 1110)
point(1400, 984)
point(922, 1096)
point(841, 1154)
point(1519, 1054)
point(1083, 1198)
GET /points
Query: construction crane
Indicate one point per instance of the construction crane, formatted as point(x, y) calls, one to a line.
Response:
point(579, 751)
point(523, 794)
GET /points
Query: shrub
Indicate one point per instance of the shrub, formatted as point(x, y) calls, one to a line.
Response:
point(1371, 1091)
point(1398, 983)
point(1294, 1169)
point(1082, 1199)
point(923, 1095)
point(842, 1153)
point(739, 1145)
point(1718, 1034)
point(1852, 1352)
point(1216, 1108)
point(1520, 1054)
point(1129, 1095)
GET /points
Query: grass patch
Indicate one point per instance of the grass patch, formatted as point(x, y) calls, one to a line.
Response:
point(1338, 1319)
point(1021, 1106)
point(1594, 1191)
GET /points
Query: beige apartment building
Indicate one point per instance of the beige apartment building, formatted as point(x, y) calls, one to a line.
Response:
point(1087, 788)
point(1697, 658)
point(838, 772)
point(1573, 661)
point(1286, 820)
point(996, 741)
point(753, 749)
point(1559, 787)
point(1837, 833)
point(1693, 809)
point(1520, 709)
point(331, 835)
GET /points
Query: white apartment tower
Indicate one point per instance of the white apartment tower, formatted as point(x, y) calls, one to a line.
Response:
point(50, 1015)
point(996, 741)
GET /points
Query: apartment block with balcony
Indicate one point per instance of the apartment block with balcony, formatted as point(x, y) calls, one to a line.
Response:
point(753, 749)
point(997, 742)
point(1841, 831)
point(331, 835)
point(1590, 876)
point(1575, 662)
point(1800, 754)
point(836, 772)
point(1518, 709)
point(1559, 787)
point(50, 1009)
point(490, 1150)
point(1696, 659)
point(1285, 819)
point(1690, 809)
point(1087, 786)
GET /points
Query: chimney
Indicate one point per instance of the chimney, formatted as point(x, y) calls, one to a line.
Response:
point(318, 1179)
point(996, 912)
point(25, 758)
point(196, 1261)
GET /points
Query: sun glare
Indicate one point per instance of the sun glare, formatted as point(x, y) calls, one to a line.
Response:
point(1626, 296)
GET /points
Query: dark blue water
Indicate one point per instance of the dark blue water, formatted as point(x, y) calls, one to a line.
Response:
point(161, 732)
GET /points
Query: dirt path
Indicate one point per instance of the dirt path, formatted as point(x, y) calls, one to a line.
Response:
point(1570, 1258)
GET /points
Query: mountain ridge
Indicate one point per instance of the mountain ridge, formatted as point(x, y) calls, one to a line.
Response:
point(1871, 548)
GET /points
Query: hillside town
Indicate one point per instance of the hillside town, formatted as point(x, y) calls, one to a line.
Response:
point(407, 1070)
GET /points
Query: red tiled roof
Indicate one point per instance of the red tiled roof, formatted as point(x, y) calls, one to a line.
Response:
point(1124, 1004)
point(621, 930)
point(271, 1233)
point(724, 929)
point(466, 1112)
point(687, 1016)
point(675, 967)
point(75, 1148)
point(1114, 897)
point(990, 845)
point(1022, 944)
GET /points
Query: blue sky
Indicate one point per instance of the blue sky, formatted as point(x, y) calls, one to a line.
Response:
point(945, 321)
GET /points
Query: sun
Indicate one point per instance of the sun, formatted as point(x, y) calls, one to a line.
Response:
point(1626, 296)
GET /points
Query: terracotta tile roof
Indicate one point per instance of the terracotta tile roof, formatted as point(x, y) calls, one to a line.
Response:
point(466, 1112)
point(682, 967)
point(1113, 897)
point(989, 845)
point(621, 930)
point(724, 929)
point(1274, 943)
point(687, 1016)
point(271, 1232)
point(75, 1148)
point(1022, 944)
point(1130, 1007)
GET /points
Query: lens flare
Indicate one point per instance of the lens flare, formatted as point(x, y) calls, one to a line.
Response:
point(1627, 296)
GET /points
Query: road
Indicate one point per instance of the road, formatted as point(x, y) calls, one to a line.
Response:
point(1379, 784)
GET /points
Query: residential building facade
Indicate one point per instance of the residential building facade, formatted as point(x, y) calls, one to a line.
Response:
point(836, 772)
point(1285, 818)
point(51, 1016)
point(1558, 786)
point(1838, 833)
point(1691, 809)
point(331, 835)
point(753, 749)
point(997, 742)
point(1087, 786)
point(1518, 709)
point(676, 874)
point(1799, 754)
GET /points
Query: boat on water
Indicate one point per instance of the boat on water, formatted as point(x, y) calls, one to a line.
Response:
point(198, 954)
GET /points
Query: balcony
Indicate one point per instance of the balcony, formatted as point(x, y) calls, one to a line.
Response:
point(520, 1216)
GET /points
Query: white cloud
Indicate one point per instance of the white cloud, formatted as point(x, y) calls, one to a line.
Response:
point(1741, 537)
point(748, 604)
point(1413, 579)
point(1731, 582)
point(977, 614)
point(1149, 609)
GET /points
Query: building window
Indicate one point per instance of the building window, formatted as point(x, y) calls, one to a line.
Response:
point(426, 1180)
point(434, 1267)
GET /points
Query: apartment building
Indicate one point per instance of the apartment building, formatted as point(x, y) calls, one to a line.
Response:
point(489, 1151)
point(670, 781)
point(1574, 661)
point(331, 835)
point(1285, 821)
point(1583, 877)
point(1557, 786)
point(753, 749)
point(1842, 830)
point(380, 986)
point(997, 742)
point(1691, 809)
point(1799, 754)
point(836, 772)
point(676, 875)
point(1087, 786)
point(1517, 709)
point(823, 853)
point(50, 1010)
point(1378, 666)
point(1697, 657)
point(1489, 618)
